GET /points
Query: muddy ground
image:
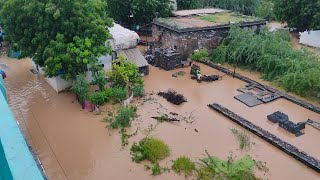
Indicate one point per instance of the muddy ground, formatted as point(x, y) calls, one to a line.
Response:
point(74, 144)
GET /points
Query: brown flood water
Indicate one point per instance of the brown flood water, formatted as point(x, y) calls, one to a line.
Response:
point(74, 144)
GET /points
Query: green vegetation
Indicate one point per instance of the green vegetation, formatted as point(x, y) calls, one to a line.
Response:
point(138, 12)
point(272, 54)
point(226, 17)
point(200, 55)
point(187, 4)
point(81, 88)
point(122, 118)
point(125, 137)
point(138, 91)
point(215, 168)
point(243, 138)
point(151, 149)
point(183, 165)
point(119, 94)
point(63, 37)
point(98, 98)
point(302, 14)
point(99, 78)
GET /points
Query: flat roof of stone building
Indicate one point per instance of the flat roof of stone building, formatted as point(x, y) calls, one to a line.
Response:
point(198, 11)
point(204, 21)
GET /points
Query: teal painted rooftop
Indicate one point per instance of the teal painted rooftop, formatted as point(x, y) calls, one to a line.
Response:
point(16, 160)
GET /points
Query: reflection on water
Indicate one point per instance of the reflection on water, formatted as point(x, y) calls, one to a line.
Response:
point(74, 144)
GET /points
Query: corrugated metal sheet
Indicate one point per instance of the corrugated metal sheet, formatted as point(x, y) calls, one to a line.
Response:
point(135, 56)
point(311, 38)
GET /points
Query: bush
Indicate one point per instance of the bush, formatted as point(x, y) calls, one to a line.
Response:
point(183, 165)
point(151, 149)
point(272, 54)
point(122, 118)
point(214, 168)
point(200, 55)
point(119, 94)
point(138, 91)
point(81, 87)
point(98, 98)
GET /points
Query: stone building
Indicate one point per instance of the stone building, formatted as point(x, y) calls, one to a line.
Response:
point(189, 30)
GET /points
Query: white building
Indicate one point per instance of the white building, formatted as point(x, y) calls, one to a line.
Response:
point(124, 42)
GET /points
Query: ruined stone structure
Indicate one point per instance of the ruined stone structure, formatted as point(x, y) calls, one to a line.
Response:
point(186, 34)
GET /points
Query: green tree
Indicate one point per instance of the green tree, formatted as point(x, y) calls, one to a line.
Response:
point(187, 4)
point(64, 36)
point(301, 14)
point(138, 12)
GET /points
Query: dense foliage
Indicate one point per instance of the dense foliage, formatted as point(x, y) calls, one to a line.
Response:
point(138, 12)
point(98, 98)
point(63, 36)
point(301, 14)
point(272, 54)
point(199, 55)
point(151, 149)
point(187, 4)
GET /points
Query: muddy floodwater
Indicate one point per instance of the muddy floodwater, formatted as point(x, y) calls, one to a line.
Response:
point(74, 144)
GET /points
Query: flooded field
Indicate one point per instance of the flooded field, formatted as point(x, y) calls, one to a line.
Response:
point(74, 144)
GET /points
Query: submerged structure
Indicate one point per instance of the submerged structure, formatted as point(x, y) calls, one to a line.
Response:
point(285, 123)
point(197, 29)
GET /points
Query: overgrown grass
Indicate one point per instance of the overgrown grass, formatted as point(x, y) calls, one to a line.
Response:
point(272, 54)
point(183, 165)
point(122, 118)
point(243, 137)
point(151, 149)
point(226, 17)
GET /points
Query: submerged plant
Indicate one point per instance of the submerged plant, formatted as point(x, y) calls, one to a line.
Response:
point(243, 138)
point(122, 118)
point(183, 165)
point(151, 149)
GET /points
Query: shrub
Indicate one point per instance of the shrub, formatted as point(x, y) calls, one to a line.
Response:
point(99, 79)
point(81, 87)
point(119, 94)
point(122, 118)
point(138, 91)
point(151, 149)
point(98, 98)
point(183, 165)
point(214, 168)
point(199, 55)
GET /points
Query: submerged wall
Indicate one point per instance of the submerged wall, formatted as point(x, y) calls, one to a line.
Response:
point(16, 160)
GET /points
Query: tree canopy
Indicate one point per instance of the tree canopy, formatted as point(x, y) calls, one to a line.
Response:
point(187, 4)
point(138, 12)
point(301, 14)
point(64, 36)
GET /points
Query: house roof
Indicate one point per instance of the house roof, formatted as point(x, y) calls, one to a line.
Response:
point(310, 38)
point(135, 56)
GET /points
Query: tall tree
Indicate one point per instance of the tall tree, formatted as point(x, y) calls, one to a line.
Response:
point(187, 4)
point(64, 36)
point(138, 12)
point(301, 14)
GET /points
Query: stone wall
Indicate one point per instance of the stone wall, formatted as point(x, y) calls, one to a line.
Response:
point(187, 42)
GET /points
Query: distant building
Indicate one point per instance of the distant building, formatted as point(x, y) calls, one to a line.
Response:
point(195, 29)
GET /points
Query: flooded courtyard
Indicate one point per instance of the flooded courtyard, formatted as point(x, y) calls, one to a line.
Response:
point(74, 144)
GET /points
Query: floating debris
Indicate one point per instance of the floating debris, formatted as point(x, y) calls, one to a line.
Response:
point(173, 97)
point(178, 74)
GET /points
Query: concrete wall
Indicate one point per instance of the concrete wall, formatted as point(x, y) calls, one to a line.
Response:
point(59, 84)
point(187, 42)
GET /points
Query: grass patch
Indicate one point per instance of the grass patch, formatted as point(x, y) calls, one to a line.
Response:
point(183, 165)
point(122, 118)
point(225, 17)
point(151, 149)
point(243, 138)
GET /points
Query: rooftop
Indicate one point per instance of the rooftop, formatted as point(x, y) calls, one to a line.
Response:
point(205, 20)
point(197, 11)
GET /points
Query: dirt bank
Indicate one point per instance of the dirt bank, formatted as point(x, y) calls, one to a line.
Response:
point(74, 144)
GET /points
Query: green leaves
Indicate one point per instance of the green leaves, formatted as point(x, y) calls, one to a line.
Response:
point(63, 36)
